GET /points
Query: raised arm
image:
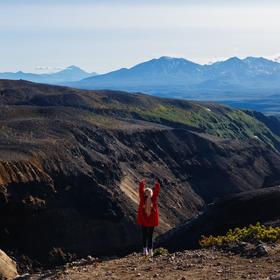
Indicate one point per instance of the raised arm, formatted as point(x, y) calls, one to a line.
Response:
point(156, 189)
point(141, 189)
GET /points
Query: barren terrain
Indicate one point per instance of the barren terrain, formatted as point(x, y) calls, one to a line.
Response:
point(187, 265)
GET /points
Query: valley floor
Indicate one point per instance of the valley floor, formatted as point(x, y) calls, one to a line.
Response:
point(187, 265)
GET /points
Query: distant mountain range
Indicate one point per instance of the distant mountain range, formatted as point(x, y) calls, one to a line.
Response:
point(69, 74)
point(252, 82)
point(174, 77)
point(179, 77)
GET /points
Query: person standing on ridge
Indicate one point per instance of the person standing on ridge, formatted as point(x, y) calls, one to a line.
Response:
point(147, 215)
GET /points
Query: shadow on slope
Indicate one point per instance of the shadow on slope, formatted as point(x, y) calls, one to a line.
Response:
point(232, 211)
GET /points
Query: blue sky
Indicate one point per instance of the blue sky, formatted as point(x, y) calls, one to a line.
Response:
point(109, 34)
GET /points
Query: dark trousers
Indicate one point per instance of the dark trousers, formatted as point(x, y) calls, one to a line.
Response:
point(147, 234)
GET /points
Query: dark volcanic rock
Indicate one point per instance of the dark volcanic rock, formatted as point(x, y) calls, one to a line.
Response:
point(233, 211)
point(245, 249)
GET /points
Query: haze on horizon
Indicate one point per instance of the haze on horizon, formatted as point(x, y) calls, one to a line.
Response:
point(100, 36)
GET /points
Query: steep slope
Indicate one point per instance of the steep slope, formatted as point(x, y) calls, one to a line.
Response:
point(233, 211)
point(71, 161)
point(272, 122)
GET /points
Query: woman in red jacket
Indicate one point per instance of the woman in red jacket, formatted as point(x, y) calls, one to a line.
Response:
point(147, 215)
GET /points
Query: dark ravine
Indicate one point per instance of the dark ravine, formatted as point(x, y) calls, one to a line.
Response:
point(71, 161)
point(237, 210)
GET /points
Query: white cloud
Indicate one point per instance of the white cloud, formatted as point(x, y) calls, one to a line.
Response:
point(48, 68)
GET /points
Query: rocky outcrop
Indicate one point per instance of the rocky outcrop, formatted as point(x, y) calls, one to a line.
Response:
point(8, 269)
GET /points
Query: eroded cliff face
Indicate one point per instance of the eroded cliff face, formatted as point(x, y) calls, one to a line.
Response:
point(69, 175)
point(82, 197)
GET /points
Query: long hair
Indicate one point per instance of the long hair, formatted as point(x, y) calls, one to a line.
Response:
point(148, 201)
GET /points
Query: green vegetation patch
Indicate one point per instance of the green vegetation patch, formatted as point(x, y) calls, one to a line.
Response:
point(160, 251)
point(211, 118)
point(252, 234)
point(228, 124)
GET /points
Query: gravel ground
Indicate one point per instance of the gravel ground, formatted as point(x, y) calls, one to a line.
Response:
point(187, 265)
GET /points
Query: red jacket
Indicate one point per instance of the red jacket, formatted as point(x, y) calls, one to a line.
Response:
point(142, 218)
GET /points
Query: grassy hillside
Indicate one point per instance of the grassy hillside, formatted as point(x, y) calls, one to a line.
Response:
point(225, 123)
point(110, 109)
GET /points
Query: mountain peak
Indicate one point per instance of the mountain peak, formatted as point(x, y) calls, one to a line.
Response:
point(78, 71)
point(253, 58)
point(168, 58)
point(233, 59)
point(260, 60)
point(69, 74)
point(73, 67)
